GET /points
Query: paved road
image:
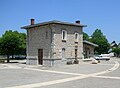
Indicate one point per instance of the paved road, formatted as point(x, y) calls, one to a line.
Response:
point(85, 75)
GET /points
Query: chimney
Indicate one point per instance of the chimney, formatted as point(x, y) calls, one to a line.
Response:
point(78, 22)
point(32, 21)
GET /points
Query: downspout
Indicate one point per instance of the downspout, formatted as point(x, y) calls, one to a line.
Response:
point(52, 47)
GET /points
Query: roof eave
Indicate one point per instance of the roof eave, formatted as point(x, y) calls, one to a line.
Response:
point(46, 23)
point(90, 43)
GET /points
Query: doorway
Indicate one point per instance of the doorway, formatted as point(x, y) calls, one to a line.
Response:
point(40, 56)
point(76, 53)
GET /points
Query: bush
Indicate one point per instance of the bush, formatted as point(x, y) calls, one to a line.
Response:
point(69, 62)
point(2, 61)
point(76, 61)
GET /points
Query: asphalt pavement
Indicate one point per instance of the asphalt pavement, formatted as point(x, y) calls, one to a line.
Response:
point(105, 74)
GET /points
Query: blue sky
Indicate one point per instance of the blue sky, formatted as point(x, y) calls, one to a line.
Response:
point(101, 14)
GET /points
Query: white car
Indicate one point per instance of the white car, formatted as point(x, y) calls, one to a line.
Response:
point(100, 57)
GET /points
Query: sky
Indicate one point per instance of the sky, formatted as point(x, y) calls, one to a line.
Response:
point(96, 14)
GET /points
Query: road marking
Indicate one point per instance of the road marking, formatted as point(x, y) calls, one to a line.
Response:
point(57, 72)
point(67, 73)
point(109, 70)
point(106, 64)
point(107, 77)
point(50, 82)
point(69, 79)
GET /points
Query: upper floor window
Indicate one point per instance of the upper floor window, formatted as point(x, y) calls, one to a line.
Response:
point(76, 37)
point(64, 34)
point(46, 34)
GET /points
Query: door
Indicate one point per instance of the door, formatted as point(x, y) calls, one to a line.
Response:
point(40, 56)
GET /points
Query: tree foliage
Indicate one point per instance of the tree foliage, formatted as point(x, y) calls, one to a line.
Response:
point(99, 39)
point(85, 36)
point(116, 51)
point(12, 43)
point(22, 46)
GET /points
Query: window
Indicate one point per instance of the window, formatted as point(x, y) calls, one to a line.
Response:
point(64, 35)
point(63, 53)
point(76, 37)
point(46, 35)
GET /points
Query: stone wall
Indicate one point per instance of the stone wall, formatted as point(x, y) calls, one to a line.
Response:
point(49, 38)
point(38, 38)
point(69, 44)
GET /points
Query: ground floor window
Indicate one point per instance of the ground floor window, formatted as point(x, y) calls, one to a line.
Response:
point(63, 53)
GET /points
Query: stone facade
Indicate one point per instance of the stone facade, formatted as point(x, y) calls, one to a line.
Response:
point(37, 39)
point(48, 37)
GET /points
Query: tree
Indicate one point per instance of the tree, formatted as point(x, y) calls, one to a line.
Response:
point(85, 36)
point(22, 46)
point(99, 39)
point(116, 51)
point(11, 43)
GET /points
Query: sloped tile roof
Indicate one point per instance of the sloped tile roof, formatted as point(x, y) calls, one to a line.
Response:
point(53, 22)
point(90, 43)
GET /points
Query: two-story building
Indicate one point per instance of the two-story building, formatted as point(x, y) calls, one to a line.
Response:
point(54, 42)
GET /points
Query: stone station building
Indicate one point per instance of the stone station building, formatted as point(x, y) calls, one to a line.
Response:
point(54, 43)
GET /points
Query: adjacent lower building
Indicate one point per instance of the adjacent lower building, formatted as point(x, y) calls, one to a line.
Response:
point(88, 49)
point(54, 42)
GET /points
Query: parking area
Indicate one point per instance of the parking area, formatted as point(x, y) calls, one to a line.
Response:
point(84, 75)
